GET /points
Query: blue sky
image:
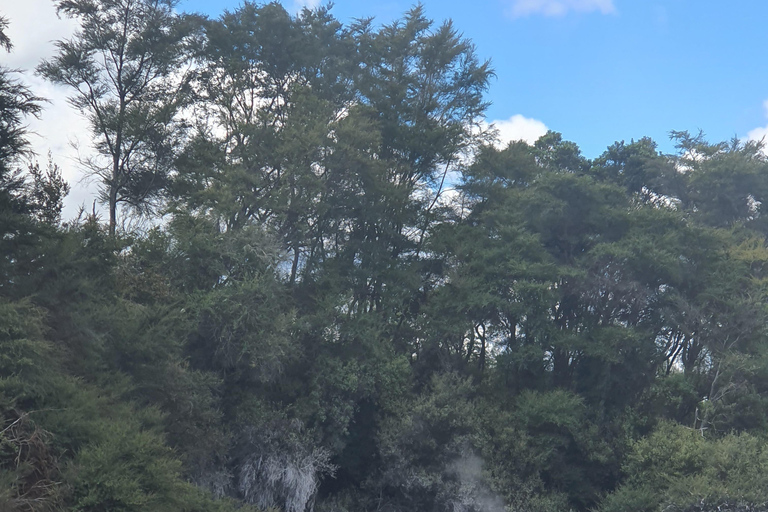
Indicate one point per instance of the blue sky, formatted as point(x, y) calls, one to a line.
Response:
point(597, 71)
point(605, 70)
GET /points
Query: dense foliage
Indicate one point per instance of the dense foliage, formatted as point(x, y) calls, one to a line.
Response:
point(347, 297)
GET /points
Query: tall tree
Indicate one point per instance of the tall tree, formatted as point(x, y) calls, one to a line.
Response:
point(125, 69)
point(272, 88)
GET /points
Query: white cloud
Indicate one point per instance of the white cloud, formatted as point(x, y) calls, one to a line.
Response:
point(758, 133)
point(518, 127)
point(33, 29)
point(522, 8)
point(761, 132)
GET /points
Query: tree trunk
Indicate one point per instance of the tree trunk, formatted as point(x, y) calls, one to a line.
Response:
point(112, 211)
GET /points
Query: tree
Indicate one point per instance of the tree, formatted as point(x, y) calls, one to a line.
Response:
point(727, 182)
point(17, 102)
point(675, 468)
point(272, 88)
point(47, 191)
point(125, 69)
point(643, 170)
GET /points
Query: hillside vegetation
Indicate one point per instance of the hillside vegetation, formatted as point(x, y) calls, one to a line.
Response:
point(319, 283)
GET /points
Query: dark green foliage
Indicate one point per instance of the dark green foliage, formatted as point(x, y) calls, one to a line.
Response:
point(429, 452)
point(315, 322)
point(18, 233)
point(724, 506)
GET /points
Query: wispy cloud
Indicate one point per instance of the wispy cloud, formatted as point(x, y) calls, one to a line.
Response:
point(522, 8)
